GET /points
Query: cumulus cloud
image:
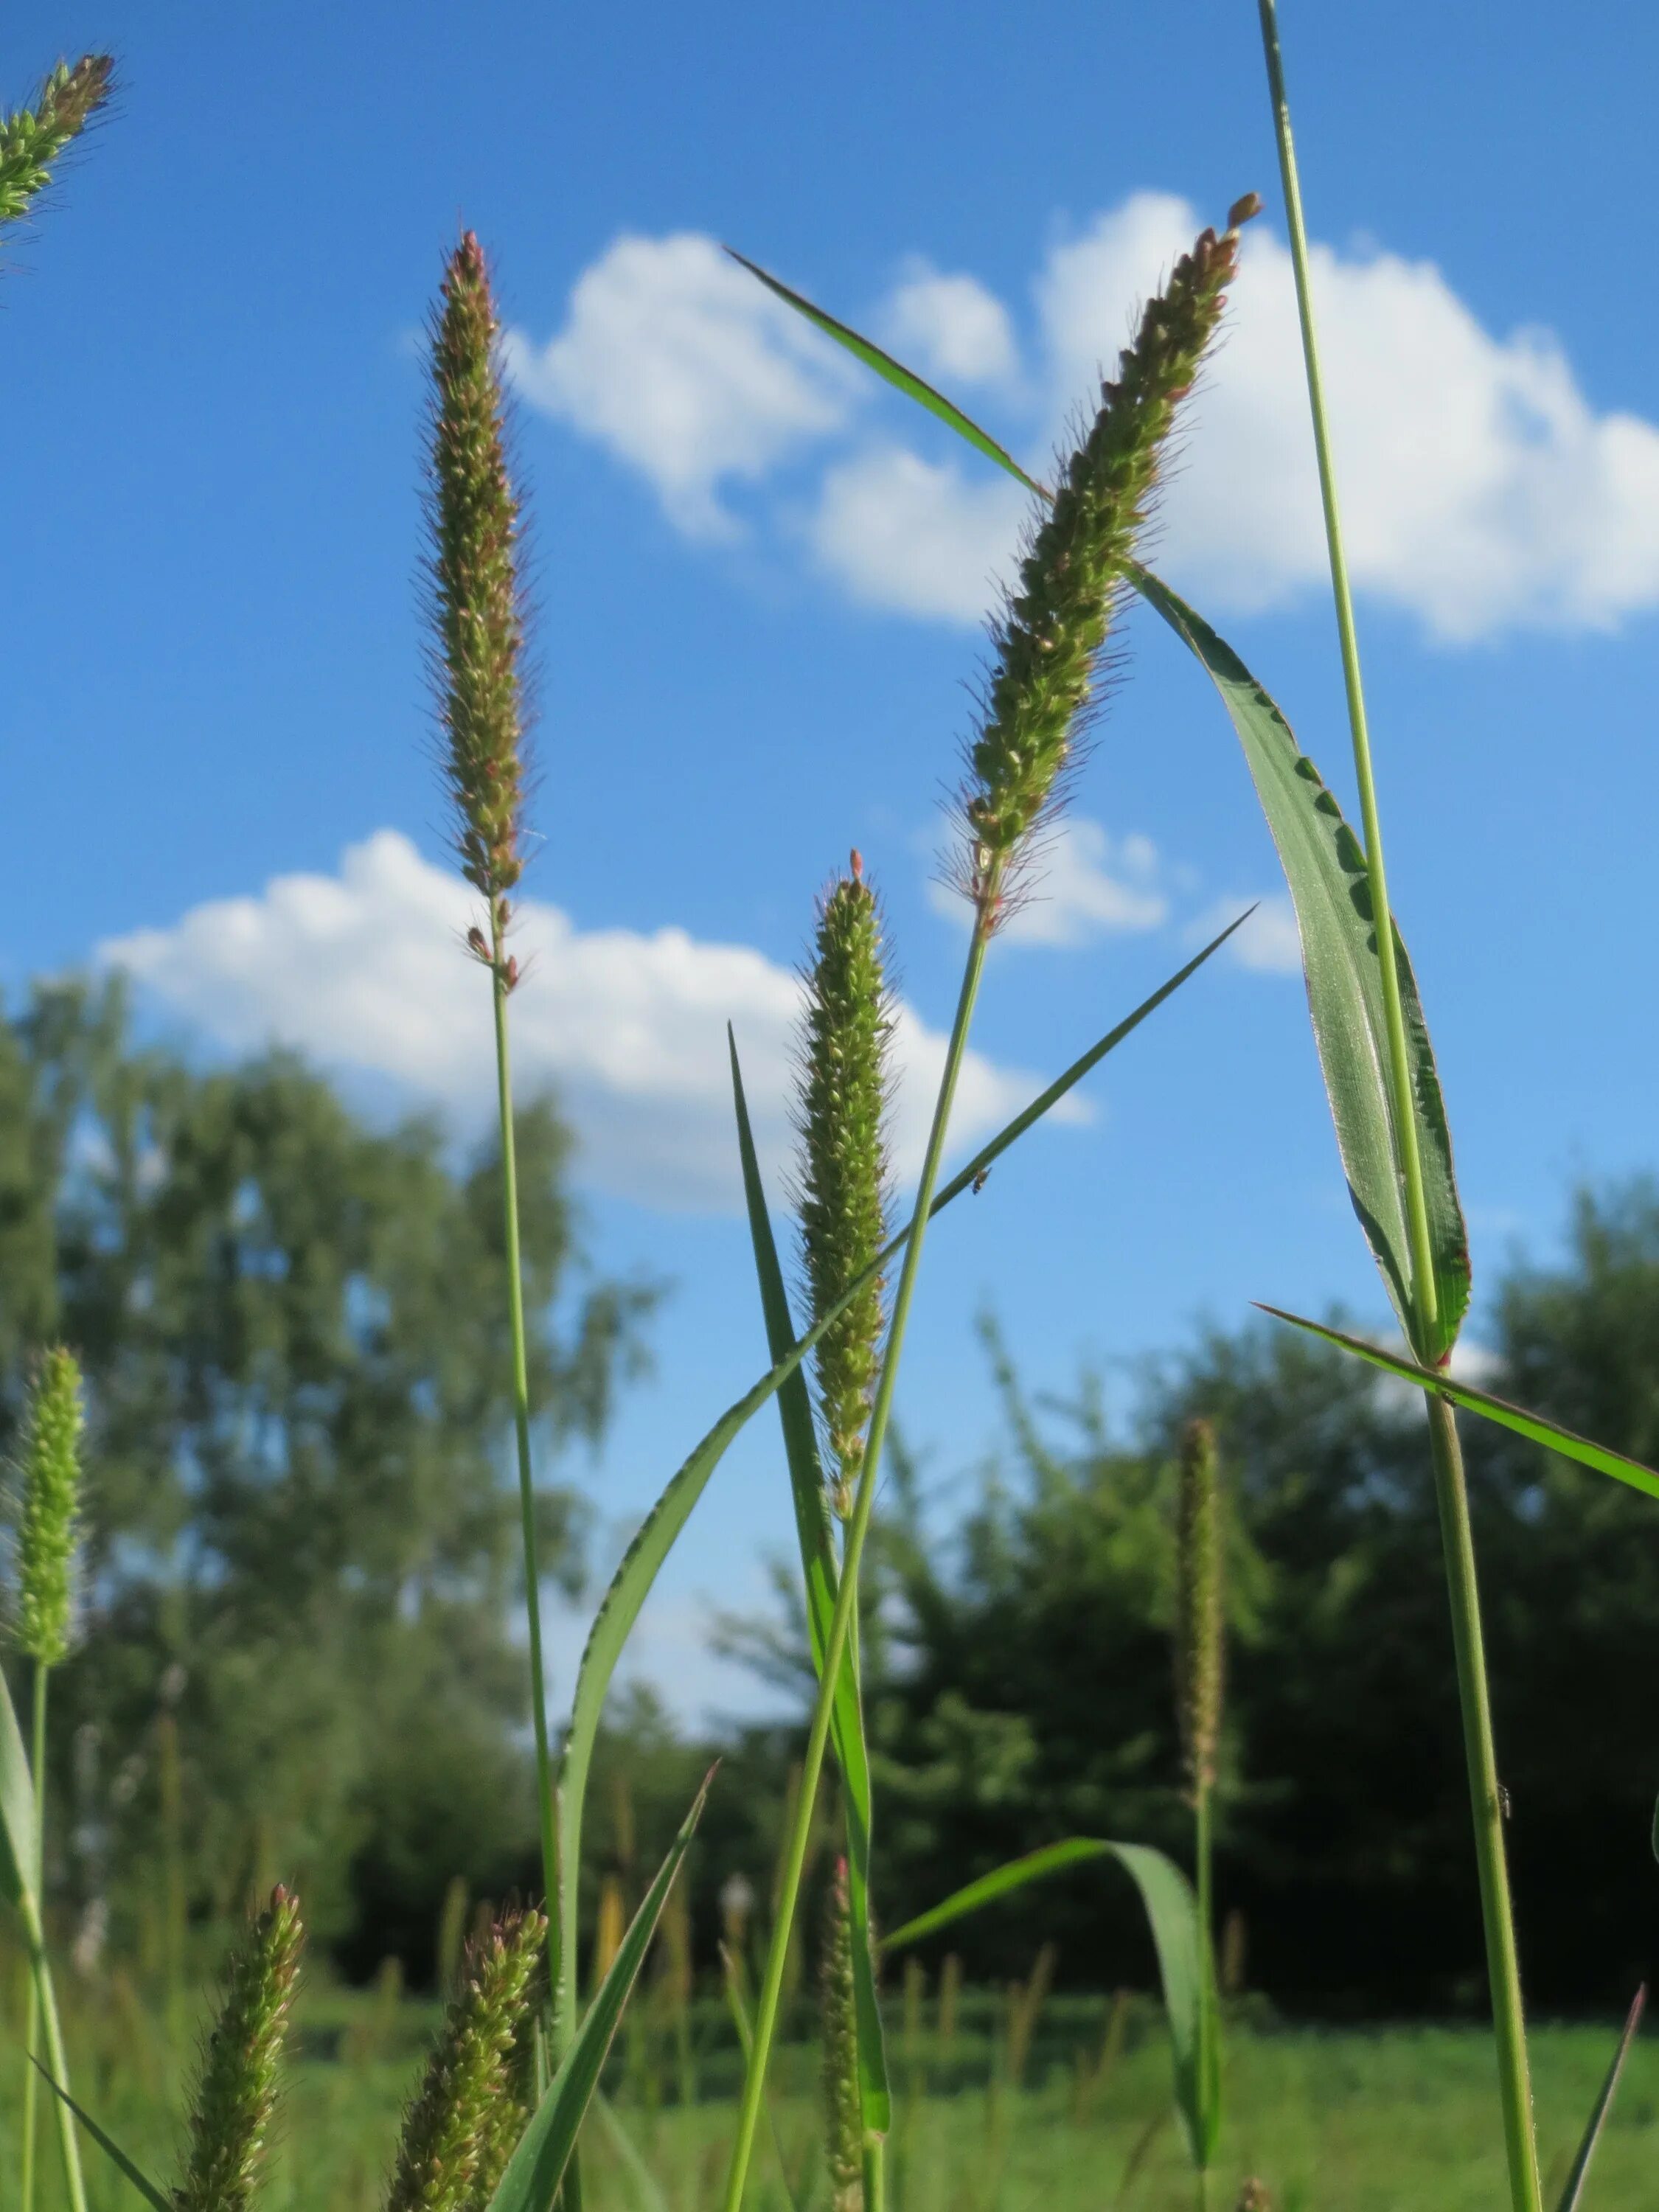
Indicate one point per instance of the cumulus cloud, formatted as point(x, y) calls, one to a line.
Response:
point(682, 365)
point(363, 971)
point(950, 326)
point(1089, 885)
point(1269, 944)
point(1482, 489)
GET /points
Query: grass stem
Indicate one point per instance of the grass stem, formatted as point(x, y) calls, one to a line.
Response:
point(1208, 2020)
point(561, 1913)
point(766, 2016)
point(1485, 1803)
point(1502, 1963)
point(53, 2034)
point(1424, 1288)
point(32, 2023)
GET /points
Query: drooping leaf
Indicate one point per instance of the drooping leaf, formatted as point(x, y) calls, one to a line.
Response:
point(1533, 1426)
point(1325, 867)
point(536, 2168)
point(1171, 1911)
point(112, 2149)
point(19, 1849)
point(893, 372)
point(1572, 2195)
point(820, 1579)
point(631, 1583)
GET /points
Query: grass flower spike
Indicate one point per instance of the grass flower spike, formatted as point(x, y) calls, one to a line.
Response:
point(237, 2094)
point(51, 1489)
point(1050, 634)
point(32, 138)
point(842, 1111)
point(474, 526)
point(843, 2125)
point(1198, 1640)
point(453, 2147)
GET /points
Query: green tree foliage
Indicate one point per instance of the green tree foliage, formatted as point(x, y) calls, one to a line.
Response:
point(301, 1533)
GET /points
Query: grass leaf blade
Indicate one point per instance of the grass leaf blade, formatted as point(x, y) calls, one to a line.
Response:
point(820, 1577)
point(537, 2166)
point(20, 1869)
point(1171, 1911)
point(112, 2149)
point(893, 372)
point(1533, 1426)
point(1572, 2195)
point(1325, 867)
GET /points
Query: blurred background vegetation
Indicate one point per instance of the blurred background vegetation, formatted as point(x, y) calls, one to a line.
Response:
point(298, 1646)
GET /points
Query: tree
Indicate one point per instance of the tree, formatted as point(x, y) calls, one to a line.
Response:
point(301, 1538)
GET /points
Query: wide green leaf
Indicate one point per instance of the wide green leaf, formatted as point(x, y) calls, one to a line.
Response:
point(1326, 869)
point(1171, 1911)
point(112, 2149)
point(536, 2168)
point(1533, 1426)
point(1572, 2195)
point(631, 1583)
point(20, 1844)
point(893, 372)
point(821, 1578)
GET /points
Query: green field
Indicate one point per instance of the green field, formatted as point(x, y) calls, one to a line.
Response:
point(1333, 2122)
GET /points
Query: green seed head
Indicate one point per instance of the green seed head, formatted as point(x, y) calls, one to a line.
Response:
point(467, 2116)
point(843, 2122)
point(841, 1111)
point(32, 138)
point(1198, 1639)
point(231, 2116)
point(475, 529)
point(1050, 634)
point(51, 1489)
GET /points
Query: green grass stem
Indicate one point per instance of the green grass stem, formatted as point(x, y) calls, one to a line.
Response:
point(560, 1932)
point(56, 2061)
point(766, 2016)
point(32, 2023)
point(1398, 1055)
point(1503, 1964)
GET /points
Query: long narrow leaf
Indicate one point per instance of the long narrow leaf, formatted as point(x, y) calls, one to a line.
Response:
point(1533, 1426)
point(893, 372)
point(1572, 2195)
point(821, 1578)
point(536, 2168)
point(631, 1583)
point(1171, 1911)
point(1325, 867)
point(20, 1844)
point(112, 2149)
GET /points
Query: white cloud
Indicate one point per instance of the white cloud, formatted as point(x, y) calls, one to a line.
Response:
point(1269, 943)
point(1481, 490)
point(1086, 885)
point(916, 536)
point(678, 362)
point(950, 326)
point(364, 971)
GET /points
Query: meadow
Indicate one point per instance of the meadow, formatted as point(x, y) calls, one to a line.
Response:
point(1372, 2121)
point(585, 2045)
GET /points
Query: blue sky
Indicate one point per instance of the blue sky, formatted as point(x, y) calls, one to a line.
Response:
point(759, 580)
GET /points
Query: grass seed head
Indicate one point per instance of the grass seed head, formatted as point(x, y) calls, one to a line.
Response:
point(50, 1507)
point(1050, 632)
point(32, 138)
point(475, 530)
point(841, 1111)
point(1254, 2197)
point(1198, 1639)
point(458, 2133)
point(236, 2096)
point(843, 2119)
